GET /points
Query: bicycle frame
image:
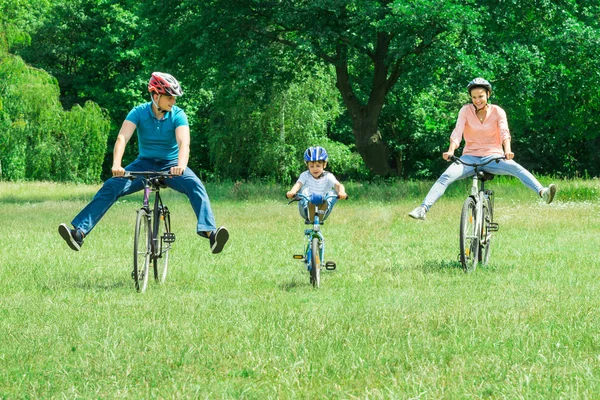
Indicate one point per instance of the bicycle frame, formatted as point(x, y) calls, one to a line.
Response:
point(157, 219)
point(482, 230)
point(315, 233)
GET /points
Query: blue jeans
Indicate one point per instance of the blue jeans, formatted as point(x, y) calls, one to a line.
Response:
point(113, 188)
point(458, 171)
point(303, 205)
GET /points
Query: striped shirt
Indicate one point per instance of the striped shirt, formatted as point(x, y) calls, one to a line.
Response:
point(322, 185)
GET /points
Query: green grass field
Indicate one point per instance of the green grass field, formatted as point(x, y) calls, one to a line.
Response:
point(398, 319)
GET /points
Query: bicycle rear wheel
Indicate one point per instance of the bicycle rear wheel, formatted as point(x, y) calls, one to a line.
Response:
point(469, 241)
point(162, 245)
point(141, 250)
point(315, 263)
point(486, 234)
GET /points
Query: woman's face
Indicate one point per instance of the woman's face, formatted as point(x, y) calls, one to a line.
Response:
point(479, 97)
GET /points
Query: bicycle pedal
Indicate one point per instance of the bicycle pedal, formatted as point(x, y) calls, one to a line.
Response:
point(138, 278)
point(330, 266)
point(298, 257)
point(168, 237)
point(493, 227)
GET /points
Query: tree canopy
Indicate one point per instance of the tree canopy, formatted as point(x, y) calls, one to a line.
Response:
point(379, 81)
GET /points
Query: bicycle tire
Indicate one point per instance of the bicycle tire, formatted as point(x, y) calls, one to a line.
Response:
point(315, 263)
point(487, 219)
point(469, 241)
point(141, 250)
point(162, 247)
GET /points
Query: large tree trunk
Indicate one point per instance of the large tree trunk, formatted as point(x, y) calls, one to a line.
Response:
point(369, 143)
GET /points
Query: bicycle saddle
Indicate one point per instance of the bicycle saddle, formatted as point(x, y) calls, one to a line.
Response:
point(485, 176)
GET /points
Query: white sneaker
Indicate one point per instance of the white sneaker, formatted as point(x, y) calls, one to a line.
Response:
point(418, 213)
point(548, 193)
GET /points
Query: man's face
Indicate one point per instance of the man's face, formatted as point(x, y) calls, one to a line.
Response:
point(166, 102)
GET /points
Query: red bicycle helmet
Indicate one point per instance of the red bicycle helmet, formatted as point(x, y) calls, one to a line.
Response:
point(162, 83)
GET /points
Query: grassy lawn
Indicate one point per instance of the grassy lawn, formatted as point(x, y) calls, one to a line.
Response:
point(397, 319)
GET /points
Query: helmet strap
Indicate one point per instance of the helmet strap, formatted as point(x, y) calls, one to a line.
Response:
point(160, 110)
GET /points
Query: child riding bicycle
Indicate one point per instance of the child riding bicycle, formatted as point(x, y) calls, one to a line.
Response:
point(316, 180)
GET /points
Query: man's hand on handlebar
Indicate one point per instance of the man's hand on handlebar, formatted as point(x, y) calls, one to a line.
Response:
point(117, 171)
point(177, 170)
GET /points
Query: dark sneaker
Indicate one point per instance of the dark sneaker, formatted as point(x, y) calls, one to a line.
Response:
point(218, 239)
point(73, 237)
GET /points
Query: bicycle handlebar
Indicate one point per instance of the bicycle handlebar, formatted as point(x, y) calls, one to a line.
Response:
point(146, 174)
point(300, 196)
point(458, 160)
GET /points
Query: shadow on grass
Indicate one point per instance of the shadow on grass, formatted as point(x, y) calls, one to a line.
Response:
point(433, 266)
point(117, 284)
point(291, 285)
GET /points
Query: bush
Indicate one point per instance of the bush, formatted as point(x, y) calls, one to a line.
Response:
point(38, 139)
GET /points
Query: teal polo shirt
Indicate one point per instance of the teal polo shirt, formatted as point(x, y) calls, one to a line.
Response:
point(156, 137)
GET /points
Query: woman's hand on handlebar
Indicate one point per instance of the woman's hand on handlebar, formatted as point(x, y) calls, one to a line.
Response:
point(448, 155)
point(509, 155)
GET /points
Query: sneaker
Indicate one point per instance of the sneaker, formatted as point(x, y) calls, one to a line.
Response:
point(418, 213)
point(218, 239)
point(548, 193)
point(73, 237)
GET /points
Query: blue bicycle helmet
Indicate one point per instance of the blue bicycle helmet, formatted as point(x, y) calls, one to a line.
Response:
point(315, 154)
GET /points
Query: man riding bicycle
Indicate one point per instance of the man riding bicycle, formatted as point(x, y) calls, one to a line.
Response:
point(164, 145)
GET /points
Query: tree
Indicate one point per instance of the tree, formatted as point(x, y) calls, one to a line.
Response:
point(370, 44)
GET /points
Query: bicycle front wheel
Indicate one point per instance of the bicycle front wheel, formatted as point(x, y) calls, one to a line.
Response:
point(469, 241)
point(486, 234)
point(141, 250)
point(315, 263)
point(162, 243)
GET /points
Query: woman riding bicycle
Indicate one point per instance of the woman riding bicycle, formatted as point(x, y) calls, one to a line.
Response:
point(485, 130)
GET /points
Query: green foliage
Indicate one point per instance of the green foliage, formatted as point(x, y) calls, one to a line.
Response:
point(407, 62)
point(39, 140)
point(277, 130)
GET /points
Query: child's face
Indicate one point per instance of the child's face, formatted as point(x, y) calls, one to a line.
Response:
point(316, 168)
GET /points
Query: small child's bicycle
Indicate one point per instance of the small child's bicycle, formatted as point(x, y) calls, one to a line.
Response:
point(314, 252)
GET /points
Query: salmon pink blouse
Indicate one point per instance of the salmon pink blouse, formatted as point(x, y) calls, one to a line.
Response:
point(481, 138)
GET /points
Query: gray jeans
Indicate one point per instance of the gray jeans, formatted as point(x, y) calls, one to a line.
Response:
point(458, 171)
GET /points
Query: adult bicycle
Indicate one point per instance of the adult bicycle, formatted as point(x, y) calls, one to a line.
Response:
point(477, 218)
point(314, 241)
point(153, 237)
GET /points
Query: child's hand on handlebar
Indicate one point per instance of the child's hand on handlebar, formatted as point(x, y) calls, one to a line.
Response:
point(342, 195)
point(290, 195)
